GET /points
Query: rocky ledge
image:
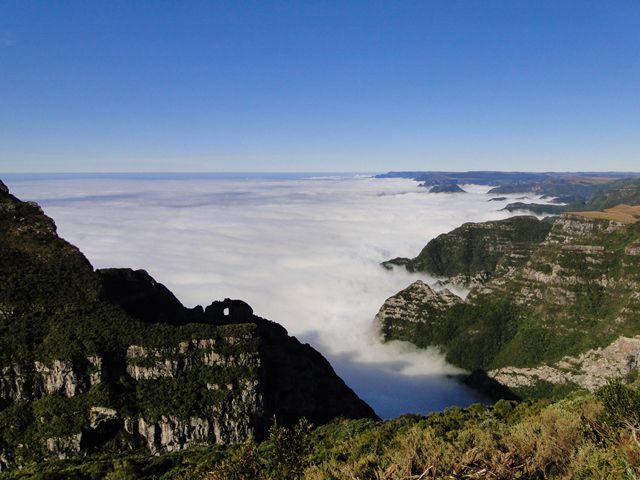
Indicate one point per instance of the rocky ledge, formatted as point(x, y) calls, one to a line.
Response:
point(589, 370)
point(418, 303)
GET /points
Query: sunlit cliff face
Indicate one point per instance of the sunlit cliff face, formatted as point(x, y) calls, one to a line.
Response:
point(304, 252)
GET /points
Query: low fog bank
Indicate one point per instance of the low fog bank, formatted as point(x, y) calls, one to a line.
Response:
point(302, 252)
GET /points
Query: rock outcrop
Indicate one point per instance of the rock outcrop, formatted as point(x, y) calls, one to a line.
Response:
point(409, 309)
point(64, 447)
point(65, 378)
point(171, 434)
point(589, 370)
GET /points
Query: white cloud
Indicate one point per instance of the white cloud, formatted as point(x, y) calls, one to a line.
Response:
point(302, 252)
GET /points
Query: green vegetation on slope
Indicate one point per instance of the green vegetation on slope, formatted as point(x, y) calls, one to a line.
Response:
point(583, 436)
point(477, 249)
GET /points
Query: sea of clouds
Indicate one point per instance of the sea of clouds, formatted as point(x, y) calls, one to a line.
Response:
point(303, 251)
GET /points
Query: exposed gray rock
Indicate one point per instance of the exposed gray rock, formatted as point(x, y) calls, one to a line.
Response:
point(233, 421)
point(153, 363)
point(12, 384)
point(170, 434)
point(588, 249)
point(569, 227)
point(100, 415)
point(590, 370)
point(59, 377)
point(410, 304)
point(96, 369)
point(7, 459)
point(63, 377)
point(64, 447)
point(633, 249)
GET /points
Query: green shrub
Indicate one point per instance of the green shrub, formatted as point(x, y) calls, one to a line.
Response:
point(288, 449)
point(245, 463)
point(621, 404)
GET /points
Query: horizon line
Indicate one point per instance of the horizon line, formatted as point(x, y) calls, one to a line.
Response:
point(307, 172)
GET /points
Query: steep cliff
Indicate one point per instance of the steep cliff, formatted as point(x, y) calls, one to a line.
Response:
point(473, 252)
point(568, 315)
point(418, 311)
point(110, 361)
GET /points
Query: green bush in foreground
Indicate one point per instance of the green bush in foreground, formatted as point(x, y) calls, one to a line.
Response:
point(583, 436)
point(621, 404)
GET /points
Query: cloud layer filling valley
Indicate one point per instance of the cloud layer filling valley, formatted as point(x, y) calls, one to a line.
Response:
point(302, 252)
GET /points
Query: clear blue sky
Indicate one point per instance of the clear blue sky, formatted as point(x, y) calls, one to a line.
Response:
point(319, 85)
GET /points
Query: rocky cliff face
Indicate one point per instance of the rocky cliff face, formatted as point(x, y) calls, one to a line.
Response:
point(57, 377)
point(403, 315)
point(110, 361)
point(470, 254)
point(566, 314)
point(589, 370)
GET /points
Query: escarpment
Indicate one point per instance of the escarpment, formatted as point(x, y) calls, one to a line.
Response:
point(110, 360)
point(564, 314)
point(473, 252)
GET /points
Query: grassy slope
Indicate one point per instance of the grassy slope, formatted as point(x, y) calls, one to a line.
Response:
point(619, 213)
point(581, 437)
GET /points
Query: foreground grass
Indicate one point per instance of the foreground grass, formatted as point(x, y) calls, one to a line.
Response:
point(583, 436)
